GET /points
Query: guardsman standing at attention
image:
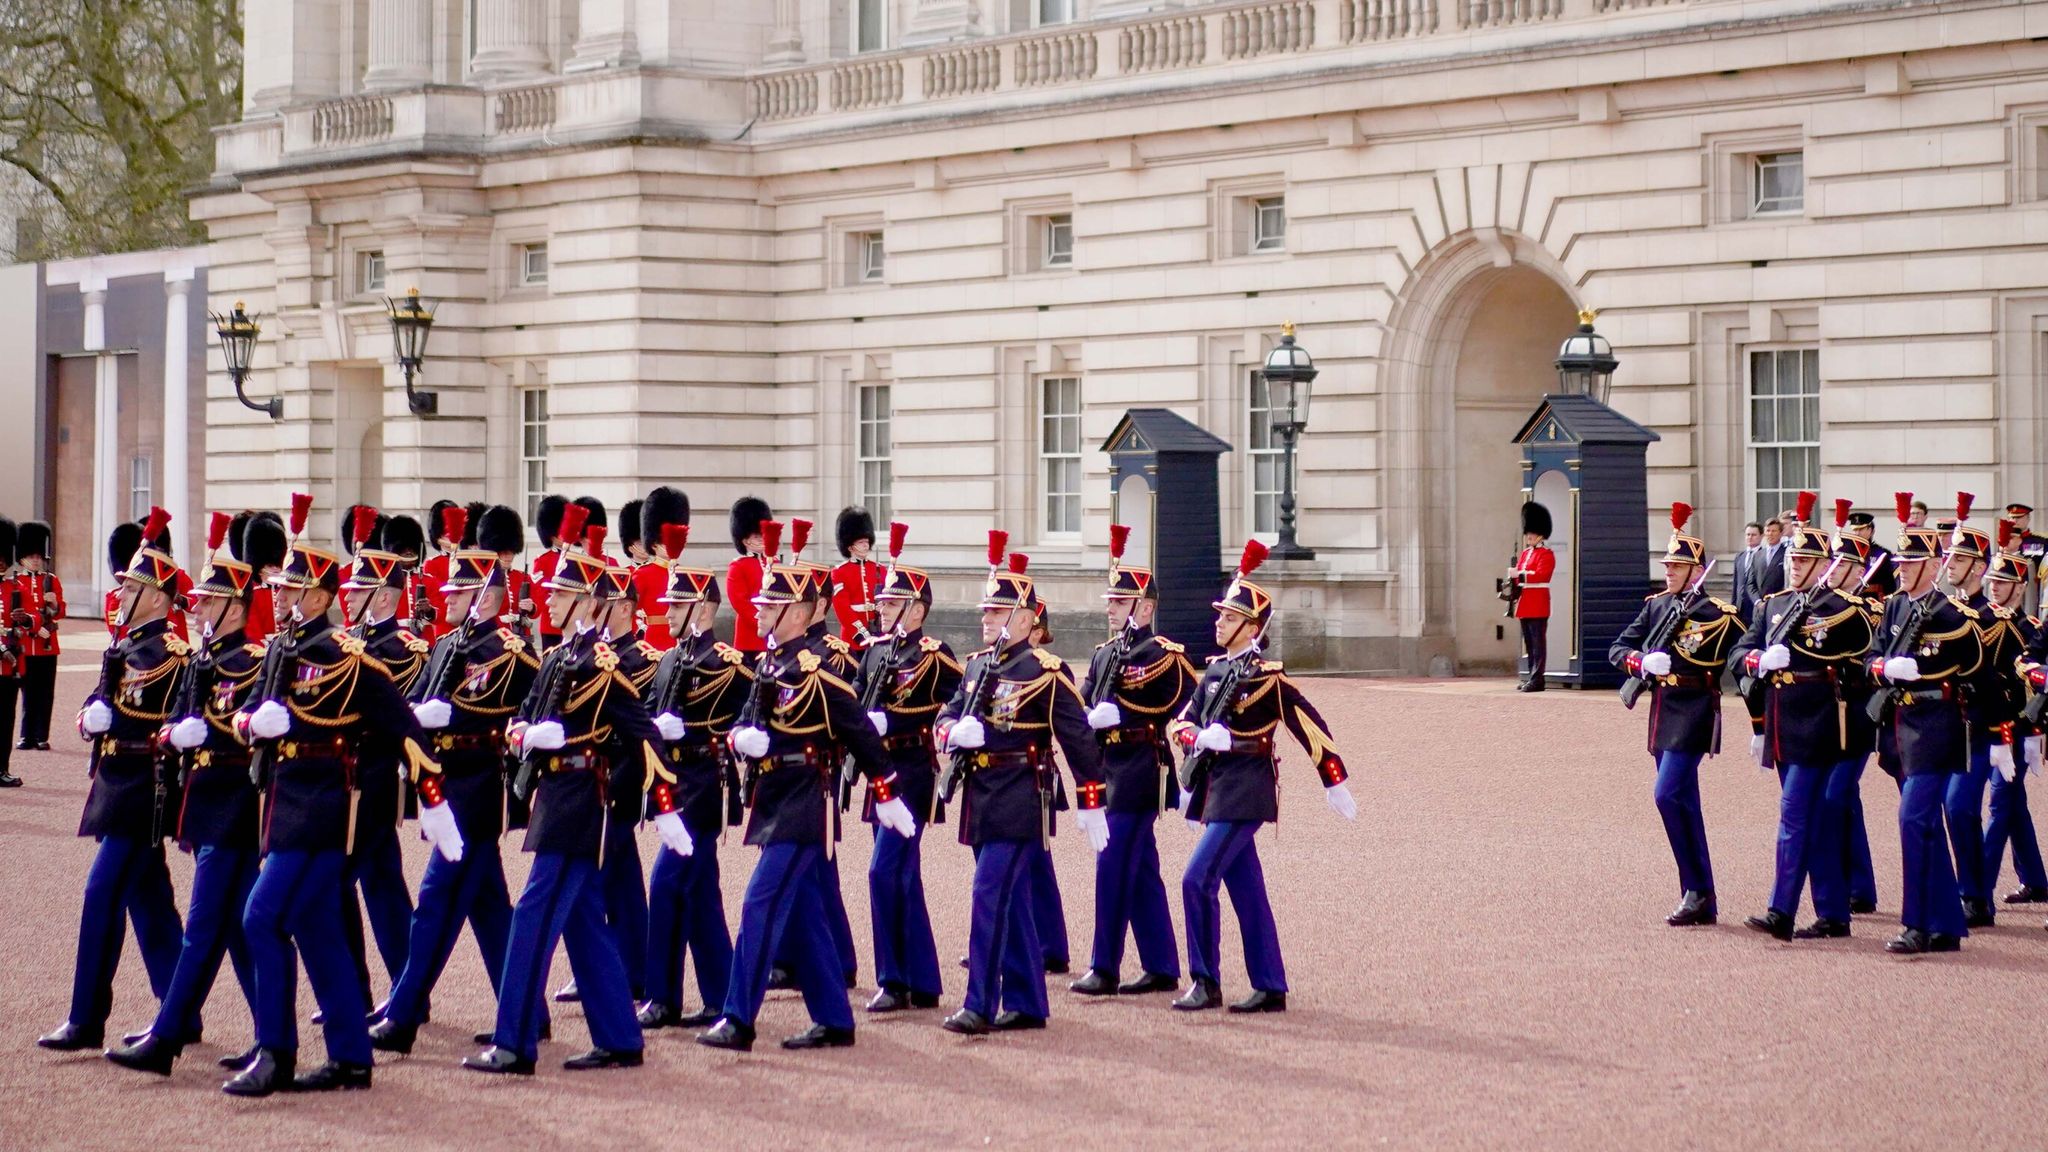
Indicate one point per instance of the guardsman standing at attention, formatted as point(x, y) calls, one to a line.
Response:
point(126, 808)
point(1013, 705)
point(664, 508)
point(448, 522)
point(1534, 566)
point(258, 540)
point(1684, 677)
point(905, 678)
point(698, 691)
point(583, 736)
point(1794, 651)
point(41, 595)
point(857, 580)
point(547, 524)
point(1926, 654)
point(1984, 710)
point(1229, 731)
point(636, 552)
point(1841, 835)
point(797, 715)
point(10, 647)
point(321, 698)
point(216, 817)
point(1138, 681)
point(745, 576)
point(2009, 634)
point(475, 680)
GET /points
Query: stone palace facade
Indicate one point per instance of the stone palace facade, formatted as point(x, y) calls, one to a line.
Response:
point(925, 253)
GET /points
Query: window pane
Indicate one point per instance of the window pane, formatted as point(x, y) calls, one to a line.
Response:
point(1766, 468)
point(870, 38)
point(1763, 426)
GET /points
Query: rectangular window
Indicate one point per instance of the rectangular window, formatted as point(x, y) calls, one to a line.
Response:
point(1784, 426)
point(533, 265)
point(1777, 183)
point(1058, 249)
point(1265, 457)
point(873, 480)
point(1059, 453)
point(369, 272)
point(1055, 11)
point(873, 256)
point(140, 493)
point(533, 449)
point(868, 25)
point(1269, 224)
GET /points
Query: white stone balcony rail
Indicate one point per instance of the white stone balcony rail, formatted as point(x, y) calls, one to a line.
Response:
point(867, 83)
point(963, 71)
point(358, 120)
point(1289, 26)
point(517, 110)
point(784, 95)
point(1364, 21)
point(1054, 59)
point(1500, 13)
point(1175, 42)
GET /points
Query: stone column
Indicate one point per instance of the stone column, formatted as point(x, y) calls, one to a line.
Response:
point(401, 46)
point(177, 422)
point(786, 46)
point(510, 40)
point(937, 21)
point(106, 425)
point(606, 37)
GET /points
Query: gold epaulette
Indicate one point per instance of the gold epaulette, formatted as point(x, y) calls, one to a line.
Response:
point(602, 655)
point(175, 646)
point(414, 642)
point(514, 643)
point(351, 645)
point(256, 648)
point(808, 661)
point(728, 653)
point(1171, 645)
point(928, 644)
point(1270, 666)
point(649, 650)
point(838, 645)
point(1723, 605)
point(1046, 660)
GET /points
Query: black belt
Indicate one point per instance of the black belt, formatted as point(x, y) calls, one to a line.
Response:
point(807, 757)
point(1132, 734)
point(1254, 745)
point(112, 747)
point(210, 758)
point(579, 762)
point(922, 738)
point(1687, 680)
point(1924, 693)
point(1783, 677)
point(332, 749)
point(1027, 759)
point(468, 741)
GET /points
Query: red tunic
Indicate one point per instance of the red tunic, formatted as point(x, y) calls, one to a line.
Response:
point(854, 584)
point(1535, 566)
point(542, 571)
point(742, 584)
point(433, 574)
point(650, 580)
point(518, 587)
point(41, 595)
point(262, 613)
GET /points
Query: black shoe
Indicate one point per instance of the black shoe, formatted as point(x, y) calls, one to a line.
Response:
point(240, 1060)
point(9, 780)
point(25, 746)
point(148, 1054)
point(963, 961)
point(924, 999)
point(1908, 942)
point(1200, 996)
point(1696, 909)
point(703, 1017)
point(69, 1037)
point(889, 1000)
point(1533, 686)
point(604, 1058)
point(852, 980)
point(334, 1076)
point(655, 1016)
point(42, 745)
point(1862, 907)
point(568, 994)
point(966, 1023)
point(391, 1036)
point(781, 979)
point(1059, 967)
point(267, 1072)
point(1095, 983)
point(499, 1061)
point(133, 1038)
point(489, 1036)
point(1018, 1022)
point(820, 1036)
point(1262, 1001)
point(1823, 929)
point(1978, 914)
point(384, 1009)
point(728, 1034)
point(1943, 942)
point(1772, 921)
point(2027, 894)
point(1148, 983)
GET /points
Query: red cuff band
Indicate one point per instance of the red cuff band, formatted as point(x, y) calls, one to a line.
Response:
point(664, 798)
point(884, 789)
point(430, 792)
point(1332, 771)
point(1092, 794)
point(1634, 663)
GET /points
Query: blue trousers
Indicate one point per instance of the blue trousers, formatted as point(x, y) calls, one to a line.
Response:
point(1799, 820)
point(784, 915)
point(297, 901)
point(1047, 911)
point(378, 869)
point(2011, 820)
point(128, 881)
point(625, 910)
point(1965, 803)
point(563, 902)
point(1005, 958)
point(1931, 901)
point(1227, 857)
point(686, 910)
point(1685, 824)
point(221, 880)
point(906, 956)
point(833, 899)
point(1862, 873)
point(470, 890)
point(1128, 891)
point(1832, 850)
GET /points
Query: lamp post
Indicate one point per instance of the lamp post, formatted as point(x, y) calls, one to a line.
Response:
point(1289, 372)
point(238, 332)
point(1585, 362)
point(411, 320)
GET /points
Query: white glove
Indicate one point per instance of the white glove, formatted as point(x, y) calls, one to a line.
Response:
point(2001, 759)
point(1095, 822)
point(895, 816)
point(1756, 748)
point(967, 733)
point(750, 742)
point(432, 713)
point(673, 833)
point(2033, 758)
point(881, 722)
point(1775, 657)
point(270, 721)
point(1902, 669)
point(1341, 801)
point(1215, 738)
point(1656, 663)
point(546, 736)
point(438, 824)
point(188, 733)
point(670, 726)
point(1105, 715)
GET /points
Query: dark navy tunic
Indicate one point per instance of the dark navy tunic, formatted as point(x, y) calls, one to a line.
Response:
point(1927, 733)
point(709, 680)
point(811, 715)
point(920, 674)
point(1033, 707)
point(1155, 684)
point(1243, 784)
point(492, 670)
point(1685, 705)
point(1803, 721)
point(610, 746)
point(123, 798)
point(218, 808)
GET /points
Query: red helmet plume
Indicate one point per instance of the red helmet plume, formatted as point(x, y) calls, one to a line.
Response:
point(2004, 533)
point(574, 517)
point(1963, 502)
point(1119, 539)
point(366, 523)
point(217, 530)
point(1803, 510)
point(898, 532)
point(998, 543)
point(1254, 555)
point(302, 504)
point(1680, 513)
point(455, 522)
point(593, 539)
point(674, 538)
point(771, 537)
point(799, 535)
point(1902, 504)
point(1842, 506)
point(1018, 562)
point(154, 528)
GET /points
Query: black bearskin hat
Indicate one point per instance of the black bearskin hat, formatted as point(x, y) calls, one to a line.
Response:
point(1536, 518)
point(595, 507)
point(500, 530)
point(121, 544)
point(547, 520)
point(747, 514)
point(264, 544)
point(855, 523)
point(33, 539)
point(629, 523)
point(402, 536)
point(8, 532)
point(476, 515)
point(434, 522)
point(663, 506)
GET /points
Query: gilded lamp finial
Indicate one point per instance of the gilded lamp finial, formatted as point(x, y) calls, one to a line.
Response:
point(1287, 329)
point(1588, 315)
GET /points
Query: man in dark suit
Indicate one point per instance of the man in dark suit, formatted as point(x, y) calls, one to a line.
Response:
point(1748, 566)
point(1770, 575)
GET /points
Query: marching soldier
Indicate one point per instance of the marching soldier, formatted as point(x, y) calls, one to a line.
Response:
point(1843, 878)
point(625, 884)
point(1794, 650)
point(2009, 633)
point(664, 508)
point(746, 575)
point(216, 816)
point(1531, 574)
point(1137, 682)
point(584, 739)
point(1012, 706)
point(1683, 672)
point(1925, 654)
point(1985, 710)
point(905, 678)
point(797, 714)
point(856, 581)
point(41, 595)
point(321, 700)
point(125, 810)
point(474, 681)
point(698, 691)
point(547, 524)
point(1228, 731)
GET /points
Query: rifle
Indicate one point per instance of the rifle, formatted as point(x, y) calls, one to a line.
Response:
point(1660, 634)
point(871, 700)
point(450, 661)
point(422, 608)
point(961, 762)
point(1752, 688)
point(554, 689)
point(1103, 686)
point(192, 697)
point(1904, 640)
point(1509, 589)
point(280, 668)
point(1195, 766)
point(753, 714)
